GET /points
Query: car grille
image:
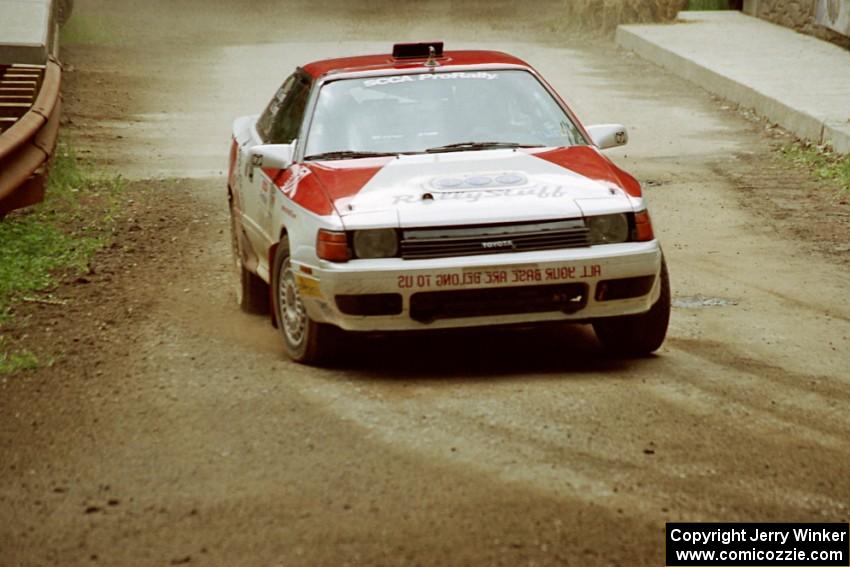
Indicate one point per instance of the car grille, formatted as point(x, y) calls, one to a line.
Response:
point(428, 306)
point(444, 242)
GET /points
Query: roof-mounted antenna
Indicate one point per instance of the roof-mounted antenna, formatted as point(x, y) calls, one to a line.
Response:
point(432, 57)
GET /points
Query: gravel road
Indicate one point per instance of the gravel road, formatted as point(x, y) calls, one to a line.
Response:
point(171, 429)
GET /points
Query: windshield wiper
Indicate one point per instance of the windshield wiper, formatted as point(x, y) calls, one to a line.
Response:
point(464, 146)
point(346, 154)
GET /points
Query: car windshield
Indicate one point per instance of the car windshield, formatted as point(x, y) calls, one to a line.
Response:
point(449, 111)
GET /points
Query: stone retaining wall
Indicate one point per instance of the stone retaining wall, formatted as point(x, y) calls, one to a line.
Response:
point(795, 14)
point(606, 15)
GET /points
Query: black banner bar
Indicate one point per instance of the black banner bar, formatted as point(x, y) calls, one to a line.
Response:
point(758, 545)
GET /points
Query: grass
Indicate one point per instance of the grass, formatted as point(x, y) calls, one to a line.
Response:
point(708, 4)
point(823, 165)
point(57, 237)
point(88, 29)
point(15, 361)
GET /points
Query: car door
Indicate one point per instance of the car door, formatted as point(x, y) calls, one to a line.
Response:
point(278, 124)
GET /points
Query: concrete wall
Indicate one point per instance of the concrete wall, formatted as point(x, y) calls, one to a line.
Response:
point(27, 31)
point(795, 14)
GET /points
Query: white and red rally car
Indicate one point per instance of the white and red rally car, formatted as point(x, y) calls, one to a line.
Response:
point(427, 190)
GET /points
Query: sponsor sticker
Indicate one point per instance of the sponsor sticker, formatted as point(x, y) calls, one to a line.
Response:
point(480, 75)
point(502, 276)
point(288, 212)
point(475, 195)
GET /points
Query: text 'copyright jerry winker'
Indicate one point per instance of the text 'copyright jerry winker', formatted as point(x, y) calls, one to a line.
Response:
point(763, 545)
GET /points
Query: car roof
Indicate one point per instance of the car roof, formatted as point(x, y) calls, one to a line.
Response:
point(386, 61)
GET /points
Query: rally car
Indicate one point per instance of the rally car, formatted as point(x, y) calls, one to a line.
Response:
point(430, 189)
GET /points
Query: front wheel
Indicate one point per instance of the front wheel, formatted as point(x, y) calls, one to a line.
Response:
point(637, 335)
point(305, 340)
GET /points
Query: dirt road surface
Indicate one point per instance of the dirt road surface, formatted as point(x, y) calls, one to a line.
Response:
point(171, 429)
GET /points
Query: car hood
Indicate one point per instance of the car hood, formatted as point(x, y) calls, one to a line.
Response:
point(475, 187)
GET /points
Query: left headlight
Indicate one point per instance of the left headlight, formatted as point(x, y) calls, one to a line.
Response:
point(375, 243)
point(608, 229)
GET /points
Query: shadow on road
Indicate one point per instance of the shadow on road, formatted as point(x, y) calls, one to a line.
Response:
point(478, 354)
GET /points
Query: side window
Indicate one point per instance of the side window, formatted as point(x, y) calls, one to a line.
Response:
point(264, 122)
point(286, 120)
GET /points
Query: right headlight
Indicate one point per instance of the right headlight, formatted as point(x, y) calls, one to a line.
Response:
point(608, 229)
point(375, 243)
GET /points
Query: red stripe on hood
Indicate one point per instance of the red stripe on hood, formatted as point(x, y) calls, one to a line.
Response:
point(345, 178)
point(327, 181)
point(588, 161)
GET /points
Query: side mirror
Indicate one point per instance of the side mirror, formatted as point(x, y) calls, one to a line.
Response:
point(270, 156)
point(606, 136)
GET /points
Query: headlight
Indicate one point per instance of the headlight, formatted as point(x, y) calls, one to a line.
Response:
point(375, 243)
point(608, 229)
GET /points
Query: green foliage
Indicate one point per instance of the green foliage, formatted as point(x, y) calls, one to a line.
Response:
point(31, 247)
point(58, 235)
point(825, 165)
point(88, 29)
point(708, 4)
point(16, 361)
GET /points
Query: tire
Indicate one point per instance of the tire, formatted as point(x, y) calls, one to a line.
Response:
point(305, 340)
point(252, 293)
point(637, 335)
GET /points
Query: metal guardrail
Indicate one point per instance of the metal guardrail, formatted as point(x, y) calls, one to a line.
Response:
point(30, 108)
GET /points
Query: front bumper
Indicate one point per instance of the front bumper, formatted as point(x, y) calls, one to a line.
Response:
point(496, 289)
